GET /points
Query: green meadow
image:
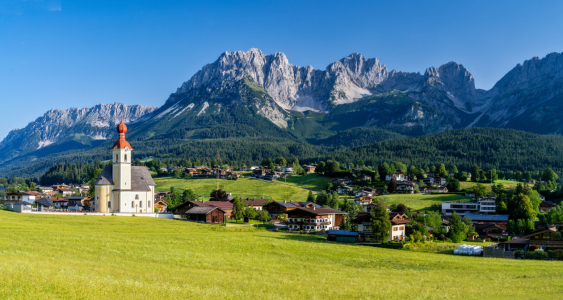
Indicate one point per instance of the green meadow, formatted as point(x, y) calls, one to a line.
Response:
point(95, 257)
point(243, 187)
point(422, 202)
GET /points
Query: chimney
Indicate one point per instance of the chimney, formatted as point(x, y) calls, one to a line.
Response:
point(314, 206)
point(284, 201)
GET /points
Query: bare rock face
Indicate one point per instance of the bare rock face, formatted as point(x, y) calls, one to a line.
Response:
point(81, 124)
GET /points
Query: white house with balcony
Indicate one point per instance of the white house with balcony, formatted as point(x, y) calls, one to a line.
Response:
point(314, 219)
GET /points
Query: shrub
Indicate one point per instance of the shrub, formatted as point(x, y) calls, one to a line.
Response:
point(551, 254)
point(539, 254)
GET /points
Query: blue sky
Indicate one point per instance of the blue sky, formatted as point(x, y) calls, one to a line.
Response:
point(61, 54)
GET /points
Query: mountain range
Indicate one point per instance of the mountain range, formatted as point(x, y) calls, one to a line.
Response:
point(354, 101)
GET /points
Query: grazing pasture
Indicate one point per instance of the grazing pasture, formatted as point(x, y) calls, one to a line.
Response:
point(94, 257)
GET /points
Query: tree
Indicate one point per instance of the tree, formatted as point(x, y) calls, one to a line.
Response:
point(177, 173)
point(524, 210)
point(380, 223)
point(458, 229)
point(453, 185)
point(412, 172)
point(32, 186)
point(383, 170)
point(271, 166)
point(528, 176)
point(479, 190)
point(238, 209)
point(392, 187)
point(264, 216)
point(453, 169)
point(475, 174)
point(250, 213)
point(280, 161)
point(322, 198)
point(320, 169)
point(462, 176)
point(442, 170)
point(95, 176)
point(549, 176)
point(188, 195)
point(219, 195)
point(310, 197)
point(492, 175)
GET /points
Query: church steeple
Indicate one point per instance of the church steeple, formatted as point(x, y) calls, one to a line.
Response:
point(121, 143)
point(121, 152)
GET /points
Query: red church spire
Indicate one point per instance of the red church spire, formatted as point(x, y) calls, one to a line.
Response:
point(121, 143)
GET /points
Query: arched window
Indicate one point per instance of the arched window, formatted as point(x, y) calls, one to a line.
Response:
point(109, 204)
point(125, 157)
point(136, 197)
point(116, 158)
point(132, 204)
point(149, 204)
point(140, 204)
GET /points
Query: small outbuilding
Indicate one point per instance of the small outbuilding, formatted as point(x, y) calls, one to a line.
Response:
point(206, 214)
point(44, 204)
point(343, 236)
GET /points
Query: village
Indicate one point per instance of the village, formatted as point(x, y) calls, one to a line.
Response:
point(362, 217)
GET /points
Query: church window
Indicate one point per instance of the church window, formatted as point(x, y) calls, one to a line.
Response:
point(149, 204)
point(109, 204)
point(140, 204)
point(125, 157)
point(116, 158)
point(136, 197)
point(132, 203)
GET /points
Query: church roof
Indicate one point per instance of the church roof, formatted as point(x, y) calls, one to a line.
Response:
point(121, 143)
point(141, 179)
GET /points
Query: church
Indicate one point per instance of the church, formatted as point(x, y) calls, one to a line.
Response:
point(122, 188)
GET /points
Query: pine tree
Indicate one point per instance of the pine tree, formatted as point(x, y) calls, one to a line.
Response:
point(311, 197)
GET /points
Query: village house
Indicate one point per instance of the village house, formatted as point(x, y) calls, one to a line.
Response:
point(371, 206)
point(225, 206)
point(309, 168)
point(545, 238)
point(60, 203)
point(396, 176)
point(429, 190)
point(405, 187)
point(344, 190)
point(206, 214)
point(256, 203)
point(44, 204)
point(398, 221)
point(546, 206)
point(485, 205)
point(314, 219)
point(276, 208)
point(339, 182)
point(364, 200)
point(28, 197)
point(364, 177)
point(259, 173)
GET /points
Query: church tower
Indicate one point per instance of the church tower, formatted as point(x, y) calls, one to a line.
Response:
point(121, 160)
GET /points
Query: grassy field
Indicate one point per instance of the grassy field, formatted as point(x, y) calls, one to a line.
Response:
point(421, 202)
point(508, 184)
point(309, 181)
point(244, 187)
point(90, 257)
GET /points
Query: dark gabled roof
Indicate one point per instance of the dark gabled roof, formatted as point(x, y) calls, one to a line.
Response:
point(320, 211)
point(221, 204)
point(548, 228)
point(342, 232)
point(44, 201)
point(519, 241)
point(141, 179)
point(256, 201)
point(105, 177)
point(285, 204)
point(202, 210)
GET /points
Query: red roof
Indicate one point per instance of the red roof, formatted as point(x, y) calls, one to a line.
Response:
point(121, 143)
point(220, 204)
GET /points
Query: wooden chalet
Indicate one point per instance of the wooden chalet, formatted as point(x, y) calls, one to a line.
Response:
point(309, 168)
point(398, 230)
point(364, 200)
point(546, 206)
point(205, 214)
point(314, 218)
point(225, 206)
point(278, 208)
point(547, 238)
